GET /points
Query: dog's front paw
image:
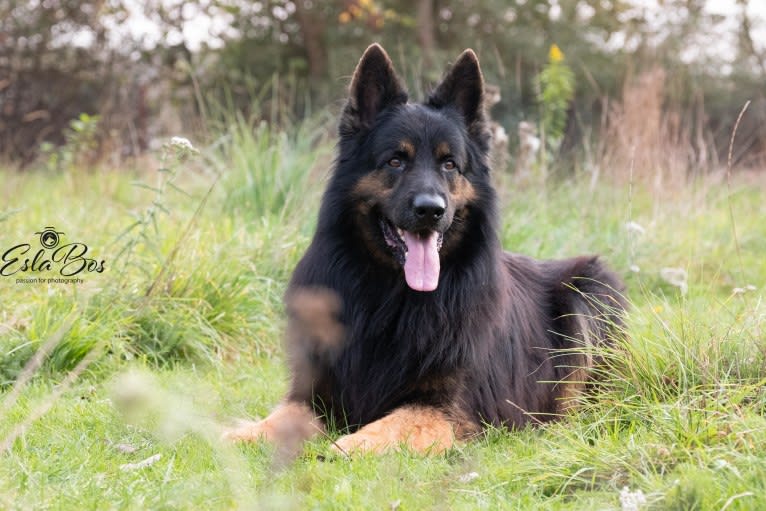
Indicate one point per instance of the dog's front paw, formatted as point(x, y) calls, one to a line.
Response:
point(249, 431)
point(288, 425)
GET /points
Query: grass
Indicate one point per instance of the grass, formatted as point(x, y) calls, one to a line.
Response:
point(182, 333)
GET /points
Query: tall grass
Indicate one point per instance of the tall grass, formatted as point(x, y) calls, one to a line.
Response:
point(268, 171)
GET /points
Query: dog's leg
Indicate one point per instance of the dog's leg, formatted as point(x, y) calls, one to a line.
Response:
point(288, 426)
point(422, 429)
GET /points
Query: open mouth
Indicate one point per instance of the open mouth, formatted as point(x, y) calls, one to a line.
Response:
point(417, 252)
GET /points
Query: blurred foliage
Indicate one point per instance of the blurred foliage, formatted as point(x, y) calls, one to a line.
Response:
point(556, 90)
point(81, 143)
point(284, 59)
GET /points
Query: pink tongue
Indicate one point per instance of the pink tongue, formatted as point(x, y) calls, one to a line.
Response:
point(421, 268)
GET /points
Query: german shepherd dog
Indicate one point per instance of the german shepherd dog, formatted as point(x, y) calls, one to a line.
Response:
point(408, 325)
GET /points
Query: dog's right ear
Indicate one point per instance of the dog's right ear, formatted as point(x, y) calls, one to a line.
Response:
point(374, 87)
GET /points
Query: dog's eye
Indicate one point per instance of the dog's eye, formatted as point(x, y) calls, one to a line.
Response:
point(395, 163)
point(449, 165)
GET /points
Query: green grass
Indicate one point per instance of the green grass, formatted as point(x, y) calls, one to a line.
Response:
point(183, 332)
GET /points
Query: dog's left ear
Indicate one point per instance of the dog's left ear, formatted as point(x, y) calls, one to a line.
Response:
point(463, 89)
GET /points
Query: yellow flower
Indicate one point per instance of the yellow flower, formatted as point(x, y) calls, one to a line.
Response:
point(367, 4)
point(344, 17)
point(555, 54)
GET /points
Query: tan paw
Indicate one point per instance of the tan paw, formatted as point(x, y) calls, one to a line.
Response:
point(289, 424)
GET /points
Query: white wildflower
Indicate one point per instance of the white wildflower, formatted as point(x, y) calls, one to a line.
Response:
point(631, 500)
point(676, 277)
point(182, 147)
point(634, 268)
point(634, 228)
point(182, 143)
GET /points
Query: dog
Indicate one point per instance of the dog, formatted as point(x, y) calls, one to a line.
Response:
point(408, 325)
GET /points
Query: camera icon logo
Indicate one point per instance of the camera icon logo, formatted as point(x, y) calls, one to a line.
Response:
point(49, 237)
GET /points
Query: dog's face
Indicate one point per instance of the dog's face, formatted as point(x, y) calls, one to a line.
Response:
point(418, 168)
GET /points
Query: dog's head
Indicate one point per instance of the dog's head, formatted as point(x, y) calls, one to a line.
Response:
point(415, 170)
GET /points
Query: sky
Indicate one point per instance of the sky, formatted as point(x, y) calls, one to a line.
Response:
point(719, 44)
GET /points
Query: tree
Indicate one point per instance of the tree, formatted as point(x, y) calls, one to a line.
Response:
point(55, 64)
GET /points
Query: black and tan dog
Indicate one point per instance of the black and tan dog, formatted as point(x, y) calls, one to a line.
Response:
point(408, 323)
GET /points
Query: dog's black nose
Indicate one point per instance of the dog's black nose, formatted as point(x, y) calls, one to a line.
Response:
point(429, 206)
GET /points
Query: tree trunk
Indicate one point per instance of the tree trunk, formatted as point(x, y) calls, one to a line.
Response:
point(426, 31)
point(312, 29)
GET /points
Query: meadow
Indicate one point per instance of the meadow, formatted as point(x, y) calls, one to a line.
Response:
point(113, 391)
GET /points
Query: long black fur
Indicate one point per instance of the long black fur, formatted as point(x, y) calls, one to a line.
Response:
point(496, 341)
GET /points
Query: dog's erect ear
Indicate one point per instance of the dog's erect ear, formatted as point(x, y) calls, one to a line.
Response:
point(463, 89)
point(374, 87)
